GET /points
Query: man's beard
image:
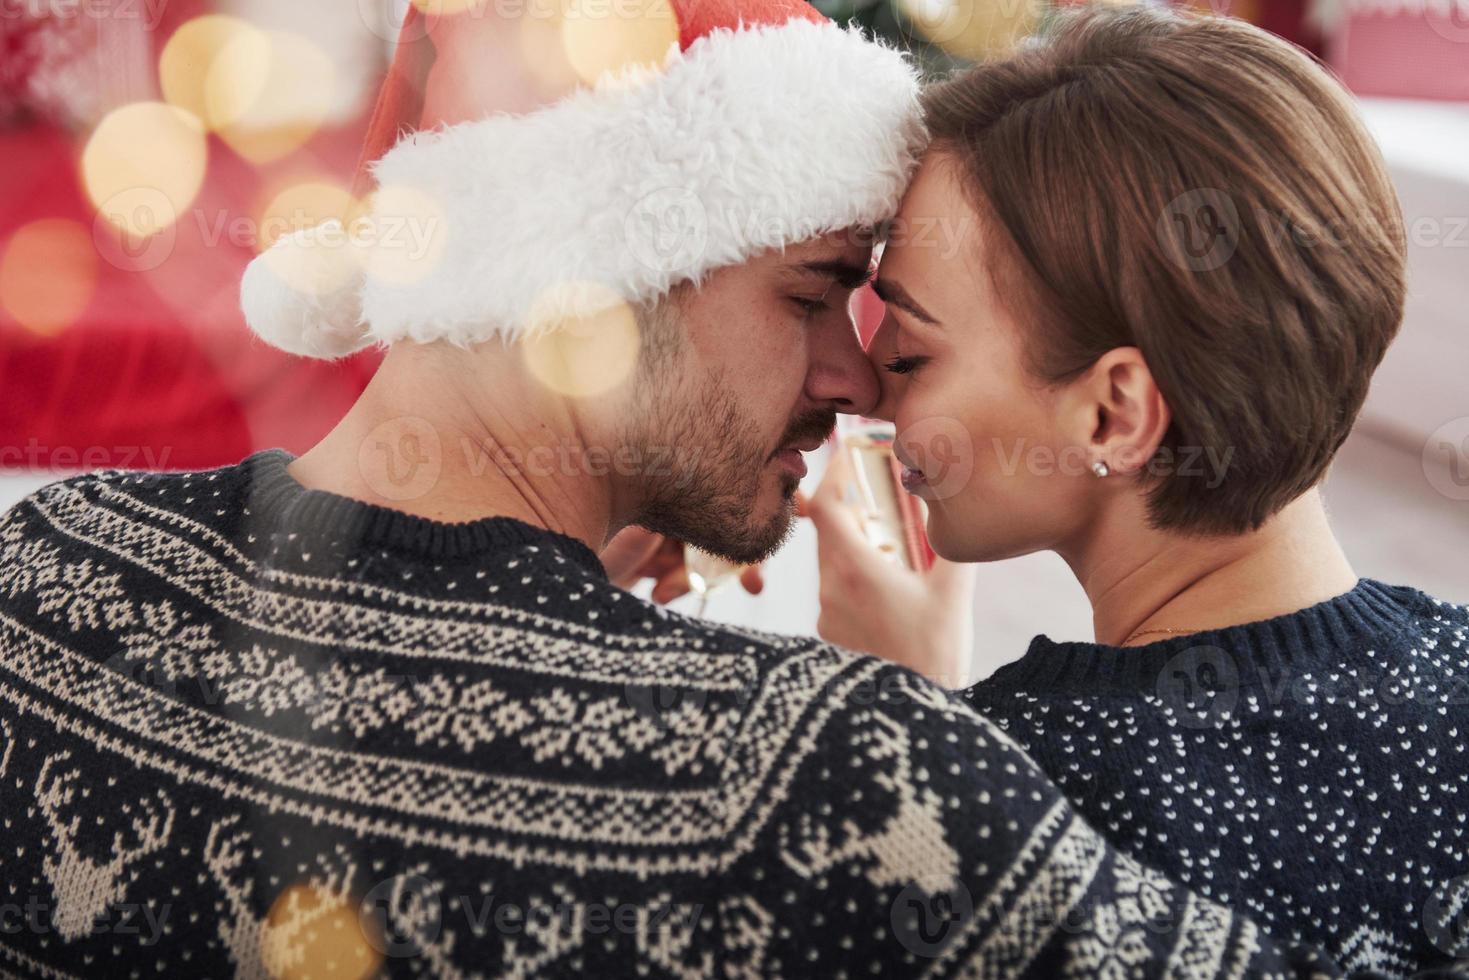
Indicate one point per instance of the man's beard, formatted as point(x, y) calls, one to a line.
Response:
point(707, 496)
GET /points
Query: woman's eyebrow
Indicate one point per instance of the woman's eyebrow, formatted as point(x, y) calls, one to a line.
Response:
point(895, 295)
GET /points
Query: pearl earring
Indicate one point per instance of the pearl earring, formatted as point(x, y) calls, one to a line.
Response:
point(1100, 468)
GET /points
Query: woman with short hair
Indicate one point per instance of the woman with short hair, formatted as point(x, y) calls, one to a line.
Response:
point(1182, 260)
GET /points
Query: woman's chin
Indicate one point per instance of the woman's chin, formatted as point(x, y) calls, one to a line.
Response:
point(944, 542)
point(962, 544)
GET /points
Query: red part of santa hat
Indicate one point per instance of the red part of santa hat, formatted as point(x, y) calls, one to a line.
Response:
point(766, 125)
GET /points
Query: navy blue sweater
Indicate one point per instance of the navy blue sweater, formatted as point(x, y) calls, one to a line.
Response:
point(249, 729)
point(1309, 770)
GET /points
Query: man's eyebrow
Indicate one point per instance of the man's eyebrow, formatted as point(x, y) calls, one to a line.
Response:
point(848, 275)
point(895, 295)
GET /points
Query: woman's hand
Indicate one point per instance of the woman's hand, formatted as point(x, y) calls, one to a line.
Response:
point(634, 554)
point(924, 621)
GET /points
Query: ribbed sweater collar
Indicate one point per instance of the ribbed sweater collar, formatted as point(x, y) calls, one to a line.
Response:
point(283, 504)
point(1350, 630)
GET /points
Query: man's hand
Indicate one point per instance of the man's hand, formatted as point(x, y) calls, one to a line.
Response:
point(924, 621)
point(634, 554)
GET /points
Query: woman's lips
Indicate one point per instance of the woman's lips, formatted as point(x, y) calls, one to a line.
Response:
point(913, 480)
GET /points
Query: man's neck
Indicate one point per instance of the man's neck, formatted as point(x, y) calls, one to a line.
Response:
point(429, 440)
point(1164, 582)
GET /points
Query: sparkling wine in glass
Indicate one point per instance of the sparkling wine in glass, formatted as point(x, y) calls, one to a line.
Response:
point(708, 574)
point(891, 519)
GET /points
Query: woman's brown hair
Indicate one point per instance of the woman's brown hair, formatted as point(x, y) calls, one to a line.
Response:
point(1204, 191)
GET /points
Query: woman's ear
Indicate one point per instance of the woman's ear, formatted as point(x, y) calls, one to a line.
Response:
point(1116, 411)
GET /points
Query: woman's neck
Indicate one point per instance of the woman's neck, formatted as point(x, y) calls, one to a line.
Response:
point(1147, 585)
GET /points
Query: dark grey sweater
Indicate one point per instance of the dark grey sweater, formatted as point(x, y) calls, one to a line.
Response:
point(251, 730)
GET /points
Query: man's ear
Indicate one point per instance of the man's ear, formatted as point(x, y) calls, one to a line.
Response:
point(1116, 412)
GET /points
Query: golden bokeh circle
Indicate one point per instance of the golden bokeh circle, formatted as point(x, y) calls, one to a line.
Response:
point(448, 8)
point(598, 37)
point(311, 933)
point(583, 340)
point(406, 231)
point(146, 150)
point(301, 205)
point(972, 29)
point(290, 94)
point(48, 274)
point(320, 216)
point(215, 67)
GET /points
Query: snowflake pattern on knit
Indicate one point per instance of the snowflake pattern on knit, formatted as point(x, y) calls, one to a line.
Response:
point(247, 730)
point(1322, 789)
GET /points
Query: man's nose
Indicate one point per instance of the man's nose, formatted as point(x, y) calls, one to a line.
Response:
point(840, 373)
point(880, 350)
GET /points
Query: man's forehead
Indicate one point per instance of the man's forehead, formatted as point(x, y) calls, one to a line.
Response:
point(849, 247)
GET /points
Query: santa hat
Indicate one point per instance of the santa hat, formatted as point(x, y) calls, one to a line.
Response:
point(766, 125)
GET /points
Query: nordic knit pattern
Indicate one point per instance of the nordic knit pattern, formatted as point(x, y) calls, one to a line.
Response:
point(252, 730)
point(1310, 771)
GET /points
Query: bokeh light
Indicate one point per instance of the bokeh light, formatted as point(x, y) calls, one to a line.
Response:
point(599, 37)
point(304, 204)
point(48, 273)
point(332, 260)
point(143, 166)
point(292, 92)
point(215, 67)
point(408, 232)
point(448, 8)
point(544, 57)
point(314, 934)
point(972, 29)
point(583, 340)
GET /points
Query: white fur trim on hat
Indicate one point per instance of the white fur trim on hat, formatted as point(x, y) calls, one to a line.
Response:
point(303, 294)
point(750, 140)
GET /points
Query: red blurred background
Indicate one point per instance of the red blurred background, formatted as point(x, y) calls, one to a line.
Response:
point(121, 338)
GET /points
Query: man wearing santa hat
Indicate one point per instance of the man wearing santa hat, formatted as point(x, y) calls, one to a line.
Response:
point(379, 708)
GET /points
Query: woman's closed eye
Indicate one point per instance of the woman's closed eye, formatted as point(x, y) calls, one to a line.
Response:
point(904, 365)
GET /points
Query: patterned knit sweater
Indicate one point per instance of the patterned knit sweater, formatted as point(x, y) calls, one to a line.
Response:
point(252, 730)
point(1309, 770)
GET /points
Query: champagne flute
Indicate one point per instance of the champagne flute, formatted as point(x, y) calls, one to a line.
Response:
point(891, 520)
point(708, 574)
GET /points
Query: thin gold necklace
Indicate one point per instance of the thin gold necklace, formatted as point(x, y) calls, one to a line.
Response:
point(1139, 633)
